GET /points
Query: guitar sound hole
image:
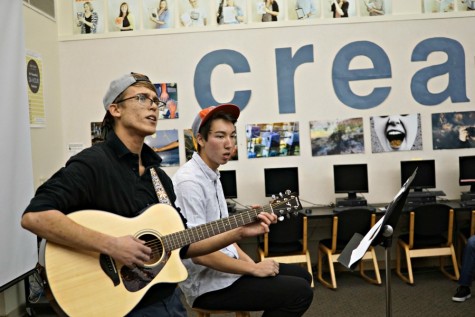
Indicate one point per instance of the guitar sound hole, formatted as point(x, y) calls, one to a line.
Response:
point(155, 244)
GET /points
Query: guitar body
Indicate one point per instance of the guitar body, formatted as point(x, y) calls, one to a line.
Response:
point(80, 283)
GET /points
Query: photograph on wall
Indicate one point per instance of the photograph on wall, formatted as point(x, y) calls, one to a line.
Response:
point(272, 139)
point(34, 79)
point(165, 144)
point(123, 15)
point(168, 96)
point(268, 10)
point(158, 14)
point(191, 147)
point(465, 5)
point(453, 130)
point(88, 16)
point(339, 8)
point(374, 7)
point(401, 132)
point(231, 12)
point(437, 6)
point(337, 137)
point(303, 9)
point(96, 132)
point(194, 13)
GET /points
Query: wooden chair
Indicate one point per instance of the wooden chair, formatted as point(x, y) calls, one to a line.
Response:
point(345, 224)
point(463, 235)
point(287, 243)
point(430, 235)
point(207, 313)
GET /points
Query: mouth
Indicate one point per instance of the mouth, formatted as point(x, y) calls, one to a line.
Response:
point(152, 118)
point(395, 138)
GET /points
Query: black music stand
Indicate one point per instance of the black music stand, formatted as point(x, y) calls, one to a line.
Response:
point(380, 234)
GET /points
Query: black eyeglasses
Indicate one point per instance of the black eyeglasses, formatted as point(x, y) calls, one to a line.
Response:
point(143, 100)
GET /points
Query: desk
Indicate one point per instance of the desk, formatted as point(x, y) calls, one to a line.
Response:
point(320, 218)
point(327, 211)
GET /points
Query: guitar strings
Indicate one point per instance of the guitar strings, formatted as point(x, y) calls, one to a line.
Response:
point(178, 239)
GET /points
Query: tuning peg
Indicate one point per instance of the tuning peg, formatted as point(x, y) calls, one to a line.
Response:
point(281, 218)
point(288, 192)
point(273, 197)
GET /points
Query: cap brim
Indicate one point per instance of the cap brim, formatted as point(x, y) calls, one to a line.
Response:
point(230, 109)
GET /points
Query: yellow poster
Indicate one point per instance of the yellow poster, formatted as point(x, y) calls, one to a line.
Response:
point(34, 78)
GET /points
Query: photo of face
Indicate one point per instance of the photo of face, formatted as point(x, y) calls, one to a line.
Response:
point(396, 133)
point(453, 130)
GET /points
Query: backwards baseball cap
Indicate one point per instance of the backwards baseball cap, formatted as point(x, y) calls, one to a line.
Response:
point(204, 115)
point(117, 86)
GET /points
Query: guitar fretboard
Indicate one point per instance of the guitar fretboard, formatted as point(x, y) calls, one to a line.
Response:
point(179, 239)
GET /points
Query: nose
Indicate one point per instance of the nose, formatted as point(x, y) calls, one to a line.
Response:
point(229, 143)
point(394, 121)
point(154, 106)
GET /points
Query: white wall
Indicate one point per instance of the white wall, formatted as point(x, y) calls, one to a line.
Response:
point(77, 73)
point(173, 58)
point(46, 143)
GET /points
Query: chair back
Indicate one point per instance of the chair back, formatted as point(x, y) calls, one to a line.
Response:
point(351, 221)
point(288, 230)
point(286, 235)
point(431, 219)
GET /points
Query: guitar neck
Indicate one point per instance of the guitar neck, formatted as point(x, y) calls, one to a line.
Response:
point(179, 239)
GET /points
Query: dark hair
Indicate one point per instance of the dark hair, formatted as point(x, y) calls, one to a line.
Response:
point(108, 121)
point(206, 127)
point(220, 11)
point(120, 9)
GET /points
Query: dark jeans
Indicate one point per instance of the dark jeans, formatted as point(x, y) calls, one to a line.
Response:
point(169, 307)
point(468, 263)
point(286, 295)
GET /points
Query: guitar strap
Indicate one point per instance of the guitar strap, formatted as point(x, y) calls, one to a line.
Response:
point(161, 193)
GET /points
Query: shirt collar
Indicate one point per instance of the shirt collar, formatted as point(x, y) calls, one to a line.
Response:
point(149, 157)
point(212, 175)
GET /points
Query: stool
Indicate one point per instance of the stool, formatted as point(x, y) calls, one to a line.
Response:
point(207, 313)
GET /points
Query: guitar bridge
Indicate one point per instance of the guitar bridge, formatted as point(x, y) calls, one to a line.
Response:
point(109, 267)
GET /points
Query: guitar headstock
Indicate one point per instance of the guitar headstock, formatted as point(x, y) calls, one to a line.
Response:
point(285, 204)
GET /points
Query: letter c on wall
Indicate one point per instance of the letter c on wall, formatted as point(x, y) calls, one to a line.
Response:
point(204, 69)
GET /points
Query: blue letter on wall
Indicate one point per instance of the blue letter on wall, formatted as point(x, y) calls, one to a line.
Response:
point(204, 69)
point(286, 66)
point(342, 75)
point(454, 67)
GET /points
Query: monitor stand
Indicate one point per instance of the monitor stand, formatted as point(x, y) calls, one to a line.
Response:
point(351, 201)
point(465, 196)
point(231, 206)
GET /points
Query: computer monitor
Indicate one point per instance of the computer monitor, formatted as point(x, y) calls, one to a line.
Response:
point(228, 181)
point(278, 180)
point(425, 177)
point(350, 179)
point(467, 172)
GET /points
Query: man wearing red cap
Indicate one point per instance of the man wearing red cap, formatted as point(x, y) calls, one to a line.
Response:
point(229, 279)
point(119, 176)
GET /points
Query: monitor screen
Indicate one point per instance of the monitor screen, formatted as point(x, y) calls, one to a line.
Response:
point(228, 181)
point(467, 171)
point(350, 179)
point(278, 180)
point(425, 177)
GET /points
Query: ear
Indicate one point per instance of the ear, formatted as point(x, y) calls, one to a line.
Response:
point(114, 110)
point(200, 140)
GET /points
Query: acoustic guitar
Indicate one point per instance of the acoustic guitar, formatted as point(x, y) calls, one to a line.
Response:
point(89, 284)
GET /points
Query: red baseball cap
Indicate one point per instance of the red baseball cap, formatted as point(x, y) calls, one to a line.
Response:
point(203, 116)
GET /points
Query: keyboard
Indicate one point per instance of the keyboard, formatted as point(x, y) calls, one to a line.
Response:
point(340, 209)
point(427, 193)
point(467, 203)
